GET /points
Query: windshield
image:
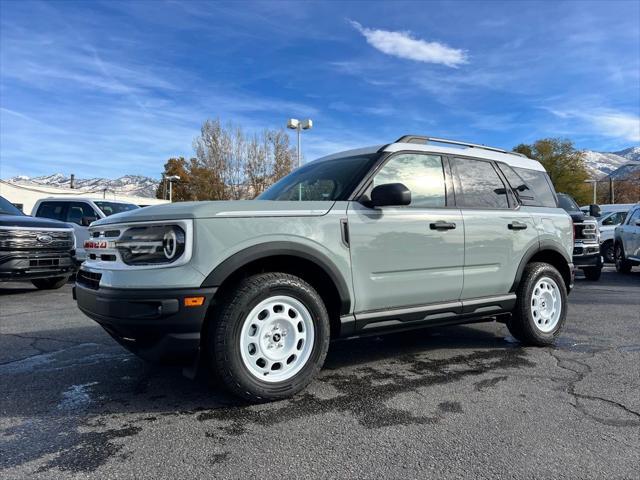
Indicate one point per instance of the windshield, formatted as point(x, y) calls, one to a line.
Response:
point(567, 203)
point(317, 181)
point(110, 208)
point(7, 208)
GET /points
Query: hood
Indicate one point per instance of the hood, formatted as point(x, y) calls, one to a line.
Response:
point(30, 222)
point(577, 217)
point(220, 209)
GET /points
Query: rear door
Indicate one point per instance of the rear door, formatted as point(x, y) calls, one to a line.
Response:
point(498, 231)
point(407, 255)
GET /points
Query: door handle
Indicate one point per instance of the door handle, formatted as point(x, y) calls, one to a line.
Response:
point(440, 225)
point(517, 226)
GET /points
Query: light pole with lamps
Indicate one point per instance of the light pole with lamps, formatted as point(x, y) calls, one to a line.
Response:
point(172, 178)
point(298, 125)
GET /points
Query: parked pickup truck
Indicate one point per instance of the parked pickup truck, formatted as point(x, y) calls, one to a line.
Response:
point(34, 249)
point(414, 233)
point(586, 248)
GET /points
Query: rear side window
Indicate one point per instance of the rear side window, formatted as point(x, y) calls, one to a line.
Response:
point(478, 185)
point(540, 184)
point(421, 174)
point(53, 210)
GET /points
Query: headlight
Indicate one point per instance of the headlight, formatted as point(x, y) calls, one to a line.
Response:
point(151, 245)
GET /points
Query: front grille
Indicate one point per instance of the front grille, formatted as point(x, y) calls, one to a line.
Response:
point(29, 239)
point(88, 279)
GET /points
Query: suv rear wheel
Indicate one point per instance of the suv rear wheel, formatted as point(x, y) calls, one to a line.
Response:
point(622, 264)
point(541, 306)
point(270, 338)
point(50, 283)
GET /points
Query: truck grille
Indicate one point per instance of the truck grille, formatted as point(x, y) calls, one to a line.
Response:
point(40, 239)
point(586, 231)
point(88, 279)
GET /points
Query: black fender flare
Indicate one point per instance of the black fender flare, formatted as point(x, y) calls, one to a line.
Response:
point(277, 248)
point(531, 251)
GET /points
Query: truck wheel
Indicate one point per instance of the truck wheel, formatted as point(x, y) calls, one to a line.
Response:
point(270, 338)
point(50, 283)
point(592, 273)
point(622, 265)
point(541, 306)
point(607, 251)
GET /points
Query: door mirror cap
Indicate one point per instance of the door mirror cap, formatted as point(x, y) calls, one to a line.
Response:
point(390, 194)
point(594, 210)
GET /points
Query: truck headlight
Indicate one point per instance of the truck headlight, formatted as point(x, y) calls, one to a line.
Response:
point(151, 245)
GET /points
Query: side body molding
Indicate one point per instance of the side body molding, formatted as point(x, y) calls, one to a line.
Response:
point(280, 248)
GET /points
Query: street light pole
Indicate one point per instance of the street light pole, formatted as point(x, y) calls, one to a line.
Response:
point(299, 125)
point(172, 178)
point(295, 124)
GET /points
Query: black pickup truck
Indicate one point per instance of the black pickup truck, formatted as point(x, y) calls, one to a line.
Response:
point(35, 249)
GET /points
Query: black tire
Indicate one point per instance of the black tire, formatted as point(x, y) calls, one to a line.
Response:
point(223, 341)
point(592, 273)
point(522, 324)
point(50, 283)
point(608, 252)
point(622, 264)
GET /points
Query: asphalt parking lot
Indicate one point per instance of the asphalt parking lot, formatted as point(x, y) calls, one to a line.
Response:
point(457, 402)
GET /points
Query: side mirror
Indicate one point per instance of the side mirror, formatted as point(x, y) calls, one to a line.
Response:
point(594, 210)
point(390, 194)
point(86, 221)
point(638, 222)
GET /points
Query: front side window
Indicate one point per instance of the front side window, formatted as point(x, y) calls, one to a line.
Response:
point(478, 185)
point(421, 174)
point(320, 180)
point(7, 208)
point(52, 210)
point(79, 210)
point(615, 218)
point(110, 208)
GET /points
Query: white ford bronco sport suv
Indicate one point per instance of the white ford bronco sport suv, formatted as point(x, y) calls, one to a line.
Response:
point(415, 233)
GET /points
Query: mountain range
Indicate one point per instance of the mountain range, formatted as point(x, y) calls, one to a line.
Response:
point(615, 164)
point(134, 185)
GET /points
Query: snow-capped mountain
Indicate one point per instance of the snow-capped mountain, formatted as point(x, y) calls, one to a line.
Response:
point(135, 185)
point(601, 164)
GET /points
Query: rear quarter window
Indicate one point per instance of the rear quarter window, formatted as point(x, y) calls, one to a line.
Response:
point(540, 192)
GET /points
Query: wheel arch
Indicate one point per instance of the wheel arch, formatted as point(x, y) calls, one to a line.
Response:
point(550, 253)
point(288, 257)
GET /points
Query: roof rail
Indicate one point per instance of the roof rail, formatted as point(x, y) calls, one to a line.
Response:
point(426, 140)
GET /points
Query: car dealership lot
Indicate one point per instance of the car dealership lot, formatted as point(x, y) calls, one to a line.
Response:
point(449, 402)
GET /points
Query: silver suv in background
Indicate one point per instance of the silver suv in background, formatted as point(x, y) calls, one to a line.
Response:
point(80, 213)
point(415, 233)
point(627, 241)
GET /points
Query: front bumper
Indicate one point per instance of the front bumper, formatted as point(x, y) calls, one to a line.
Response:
point(154, 324)
point(587, 255)
point(29, 264)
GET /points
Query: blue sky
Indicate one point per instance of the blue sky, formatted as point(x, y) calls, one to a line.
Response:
point(114, 88)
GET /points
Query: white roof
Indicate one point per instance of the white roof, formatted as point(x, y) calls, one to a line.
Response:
point(91, 199)
point(512, 160)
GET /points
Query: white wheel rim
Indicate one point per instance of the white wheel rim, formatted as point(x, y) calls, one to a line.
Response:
point(546, 304)
point(276, 339)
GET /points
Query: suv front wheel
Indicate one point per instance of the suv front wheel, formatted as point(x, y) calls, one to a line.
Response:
point(541, 306)
point(270, 338)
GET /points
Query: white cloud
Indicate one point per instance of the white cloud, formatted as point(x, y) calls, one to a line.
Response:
point(606, 122)
point(403, 45)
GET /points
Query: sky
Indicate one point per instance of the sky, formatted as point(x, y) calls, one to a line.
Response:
point(113, 88)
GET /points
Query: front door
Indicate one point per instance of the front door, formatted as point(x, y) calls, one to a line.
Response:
point(409, 255)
